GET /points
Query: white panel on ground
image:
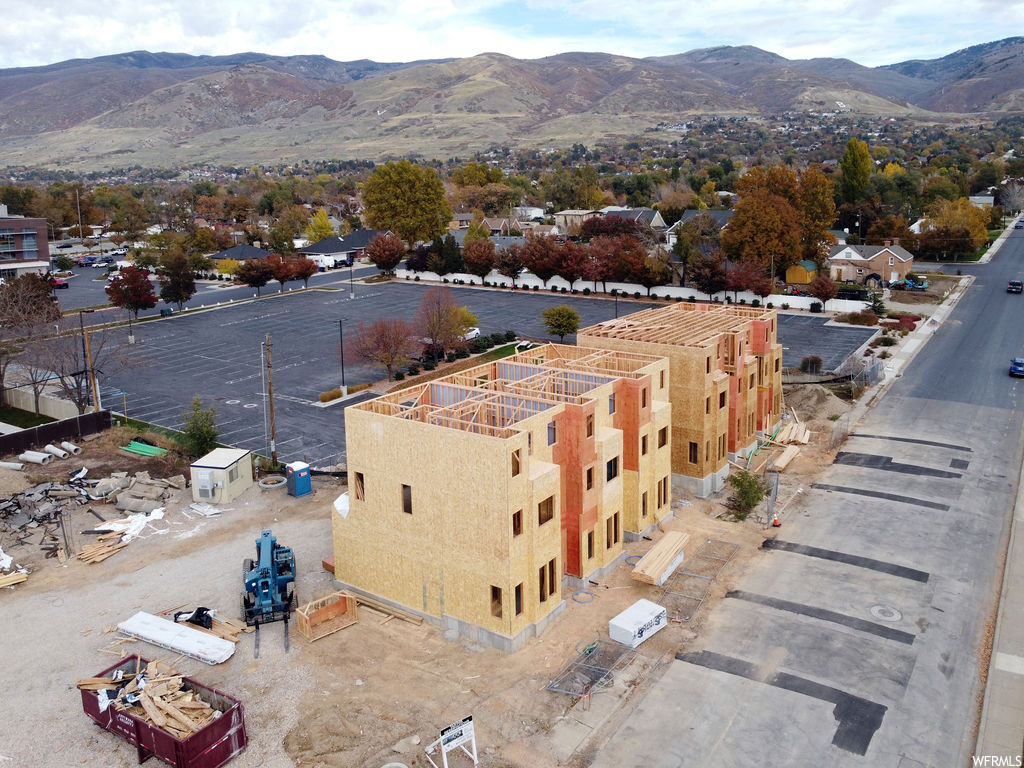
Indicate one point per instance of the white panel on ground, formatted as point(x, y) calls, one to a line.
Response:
point(177, 637)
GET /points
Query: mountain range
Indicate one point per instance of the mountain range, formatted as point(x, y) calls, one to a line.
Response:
point(170, 109)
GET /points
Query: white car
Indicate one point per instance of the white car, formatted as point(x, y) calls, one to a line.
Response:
point(472, 333)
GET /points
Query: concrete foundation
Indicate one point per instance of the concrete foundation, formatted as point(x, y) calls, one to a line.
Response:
point(469, 631)
point(701, 487)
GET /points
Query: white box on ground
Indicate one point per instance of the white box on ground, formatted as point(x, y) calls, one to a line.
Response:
point(637, 623)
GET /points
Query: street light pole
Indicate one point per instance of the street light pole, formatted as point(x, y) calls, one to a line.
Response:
point(351, 280)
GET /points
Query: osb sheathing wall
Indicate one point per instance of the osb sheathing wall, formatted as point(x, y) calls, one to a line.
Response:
point(707, 426)
point(458, 542)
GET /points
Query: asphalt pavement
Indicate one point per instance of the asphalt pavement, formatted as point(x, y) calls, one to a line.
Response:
point(856, 636)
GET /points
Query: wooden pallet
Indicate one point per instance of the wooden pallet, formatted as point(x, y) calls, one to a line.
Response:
point(326, 615)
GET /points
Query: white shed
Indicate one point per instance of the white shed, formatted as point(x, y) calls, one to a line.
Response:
point(221, 475)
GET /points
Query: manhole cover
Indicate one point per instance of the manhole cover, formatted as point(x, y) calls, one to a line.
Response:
point(885, 613)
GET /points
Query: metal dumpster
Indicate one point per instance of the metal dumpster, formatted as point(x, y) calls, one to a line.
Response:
point(209, 747)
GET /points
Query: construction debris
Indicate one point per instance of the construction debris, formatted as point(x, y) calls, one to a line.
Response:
point(662, 559)
point(156, 694)
point(326, 615)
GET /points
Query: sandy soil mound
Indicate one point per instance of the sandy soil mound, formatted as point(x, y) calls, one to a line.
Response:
point(813, 401)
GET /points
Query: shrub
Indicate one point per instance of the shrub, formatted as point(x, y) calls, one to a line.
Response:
point(510, 335)
point(679, 298)
point(884, 354)
point(553, 289)
point(811, 364)
point(769, 305)
point(450, 357)
point(429, 365)
point(479, 344)
point(496, 338)
point(564, 290)
point(462, 354)
point(887, 341)
point(785, 305)
point(636, 294)
point(743, 301)
point(586, 291)
point(748, 491)
point(445, 279)
point(755, 303)
point(816, 307)
point(399, 375)
point(359, 387)
point(536, 287)
point(865, 317)
point(413, 370)
point(417, 278)
point(326, 397)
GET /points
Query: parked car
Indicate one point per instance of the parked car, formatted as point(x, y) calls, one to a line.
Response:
point(1017, 366)
point(65, 245)
point(103, 262)
point(1015, 286)
point(58, 283)
point(472, 333)
point(1018, 225)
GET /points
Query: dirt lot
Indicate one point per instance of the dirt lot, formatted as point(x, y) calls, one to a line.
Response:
point(359, 697)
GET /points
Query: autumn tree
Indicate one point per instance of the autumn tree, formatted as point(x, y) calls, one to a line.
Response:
point(130, 218)
point(282, 269)
point(855, 169)
point(406, 199)
point(132, 289)
point(574, 263)
point(823, 288)
point(708, 273)
point(816, 211)
point(386, 251)
point(960, 214)
point(891, 228)
point(478, 257)
point(604, 255)
point(561, 321)
point(765, 230)
point(607, 226)
point(319, 227)
point(303, 269)
point(474, 174)
point(541, 256)
point(177, 281)
point(441, 321)
point(1011, 196)
point(509, 262)
point(255, 273)
point(25, 309)
point(388, 342)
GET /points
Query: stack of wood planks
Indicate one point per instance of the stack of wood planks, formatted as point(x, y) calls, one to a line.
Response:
point(226, 629)
point(793, 433)
point(95, 553)
point(388, 611)
point(662, 559)
point(157, 696)
point(12, 578)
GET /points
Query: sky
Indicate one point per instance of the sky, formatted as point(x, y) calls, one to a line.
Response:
point(870, 32)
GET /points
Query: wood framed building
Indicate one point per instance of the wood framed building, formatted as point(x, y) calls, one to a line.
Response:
point(726, 380)
point(475, 497)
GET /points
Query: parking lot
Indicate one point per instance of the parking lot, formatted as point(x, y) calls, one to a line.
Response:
point(217, 355)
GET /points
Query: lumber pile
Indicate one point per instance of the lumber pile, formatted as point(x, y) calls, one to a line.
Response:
point(662, 559)
point(792, 433)
point(10, 579)
point(782, 460)
point(326, 615)
point(97, 553)
point(387, 610)
point(158, 696)
point(226, 629)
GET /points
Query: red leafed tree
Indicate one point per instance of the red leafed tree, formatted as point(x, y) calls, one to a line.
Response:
point(509, 262)
point(575, 263)
point(283, 271)
point(132, 290)
point(739, 276)
point(478, 257)
point(760, 284)
point(303, 269)
point(388, 342)
point(542, 256)
point(603, 255)
point(823, 288)
point(386, 251)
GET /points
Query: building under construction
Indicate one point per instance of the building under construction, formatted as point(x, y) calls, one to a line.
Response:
point(473, 498)
point(726, 380)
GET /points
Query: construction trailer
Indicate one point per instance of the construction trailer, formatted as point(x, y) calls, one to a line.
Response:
point(474, 499)
point(726, 380)
point(221, 475)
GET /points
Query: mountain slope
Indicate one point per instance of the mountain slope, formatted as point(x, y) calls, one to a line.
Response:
point(160, 109)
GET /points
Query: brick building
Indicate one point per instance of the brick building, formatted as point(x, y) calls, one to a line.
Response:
point(23, 245)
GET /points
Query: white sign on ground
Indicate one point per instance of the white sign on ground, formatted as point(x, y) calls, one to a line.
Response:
point(454, 736)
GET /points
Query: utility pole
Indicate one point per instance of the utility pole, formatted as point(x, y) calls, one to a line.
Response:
point(341, 339)
point(78, 204)
point(92, 374)
point(270, 400)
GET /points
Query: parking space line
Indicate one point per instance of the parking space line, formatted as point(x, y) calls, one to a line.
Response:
point(914, 440)
point(859, 719)
point(881, 495)
point(861, 625)
point(886, 464)
point(892, 569)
